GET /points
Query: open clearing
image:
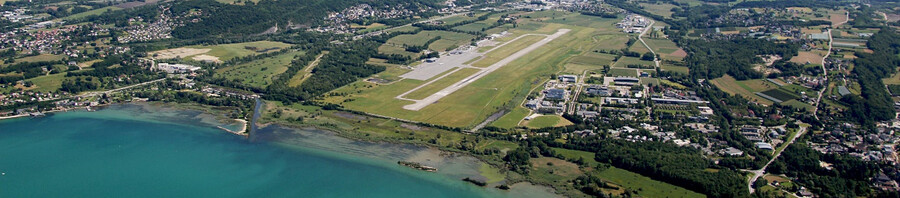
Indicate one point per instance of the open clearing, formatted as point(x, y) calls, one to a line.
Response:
point(222, 52)
point(806, 57)
point(177, 53)
point(662, 9)
point(226, 52)
point(258, 73)
point(545, 121)
point(746, 88)
point(648, 187)
point(306, 72)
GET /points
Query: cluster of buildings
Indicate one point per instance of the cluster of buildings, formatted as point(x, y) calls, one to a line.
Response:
point(878, 145)
point(175, 68)
point(41, 41)
point(552, 100)
point(16, 15)
point(28, 96)
point(339, 22)
point(159, 29)
point(633, 23)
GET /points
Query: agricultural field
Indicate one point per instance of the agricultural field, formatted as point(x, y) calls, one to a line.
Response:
point(745, 88)
point(368, 28)
point(258, 73)
point(48, 83)
point(219, 53)
point(460, 18)
point(226, 52)
point(674, 68)
point(589, 61)
point(807, 57)
point(97, 11)
point(41, 58)
point(624, 61)
point(662, 9)
point(666, 49)
point(780, 94)
point(616, 72)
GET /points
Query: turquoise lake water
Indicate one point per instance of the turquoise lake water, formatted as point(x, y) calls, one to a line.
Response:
point(128, 151)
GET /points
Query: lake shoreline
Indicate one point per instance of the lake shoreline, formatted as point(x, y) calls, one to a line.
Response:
point(444, 153)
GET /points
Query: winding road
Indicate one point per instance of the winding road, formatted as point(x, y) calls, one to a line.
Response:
point(760, 172)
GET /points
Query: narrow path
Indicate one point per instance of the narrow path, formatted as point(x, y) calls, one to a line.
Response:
point(91, 94)
point(825, 70)
point(308, 69)
point(641, 38)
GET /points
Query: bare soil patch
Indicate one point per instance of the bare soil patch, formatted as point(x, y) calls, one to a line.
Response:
point(177, 53)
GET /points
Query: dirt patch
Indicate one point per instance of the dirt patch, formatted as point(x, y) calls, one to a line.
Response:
point(177, 53)
point(679, 53)
point(837, 18)
point(807, 58)
point(411, 127)
point(206, 58)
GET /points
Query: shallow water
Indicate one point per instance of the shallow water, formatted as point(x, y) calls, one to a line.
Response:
point(145, 151)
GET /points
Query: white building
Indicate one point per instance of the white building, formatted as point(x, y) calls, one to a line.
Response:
point(176, 68)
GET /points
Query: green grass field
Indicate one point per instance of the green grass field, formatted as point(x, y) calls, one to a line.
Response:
point(512, 118)
point(575, 154)
point(97, 11)
point(506, 50)
point(40, 58)
point(48, 83)
point(679, 69)
point(228, 51)
point(615, 72)
point(624, 61)
point(545, 121)
point(442, 83)
point(662, 9)
point(666, 49)
point(646, 186)
point(258, 73)
point(588, 62)
point(746, 88)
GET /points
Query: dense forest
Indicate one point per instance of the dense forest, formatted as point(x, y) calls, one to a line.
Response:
point(874, 103)
point(715, 58)
point(230, 20)
point(681, 166)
